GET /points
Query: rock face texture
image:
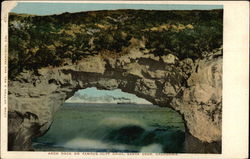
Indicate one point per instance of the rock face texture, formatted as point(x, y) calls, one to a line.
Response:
point(192, 88)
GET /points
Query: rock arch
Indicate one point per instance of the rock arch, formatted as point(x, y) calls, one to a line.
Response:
point(192, 88)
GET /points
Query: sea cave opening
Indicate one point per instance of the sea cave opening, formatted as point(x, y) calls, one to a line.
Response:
point(95, 120)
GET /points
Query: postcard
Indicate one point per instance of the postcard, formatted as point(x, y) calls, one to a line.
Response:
point(124, 79)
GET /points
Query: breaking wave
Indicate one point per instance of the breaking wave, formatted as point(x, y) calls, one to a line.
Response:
point(114, 130)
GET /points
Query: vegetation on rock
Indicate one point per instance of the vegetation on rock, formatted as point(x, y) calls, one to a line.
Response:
point(40, 41)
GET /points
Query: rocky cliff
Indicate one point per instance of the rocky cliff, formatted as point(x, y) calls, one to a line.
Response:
point(190, 83)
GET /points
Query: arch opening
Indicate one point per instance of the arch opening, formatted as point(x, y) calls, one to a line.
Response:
point(94, 120)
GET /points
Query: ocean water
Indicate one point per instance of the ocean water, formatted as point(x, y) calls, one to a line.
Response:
point(113, 128)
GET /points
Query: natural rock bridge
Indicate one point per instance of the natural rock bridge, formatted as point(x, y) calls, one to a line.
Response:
point(192, 88)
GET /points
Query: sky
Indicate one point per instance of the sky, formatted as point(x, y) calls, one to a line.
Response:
point(93, 95)
point(58, 8)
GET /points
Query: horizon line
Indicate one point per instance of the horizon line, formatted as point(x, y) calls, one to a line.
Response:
point(45, 8)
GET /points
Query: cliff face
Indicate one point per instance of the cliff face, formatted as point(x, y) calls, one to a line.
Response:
point(161, 80)
point(191, 86)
